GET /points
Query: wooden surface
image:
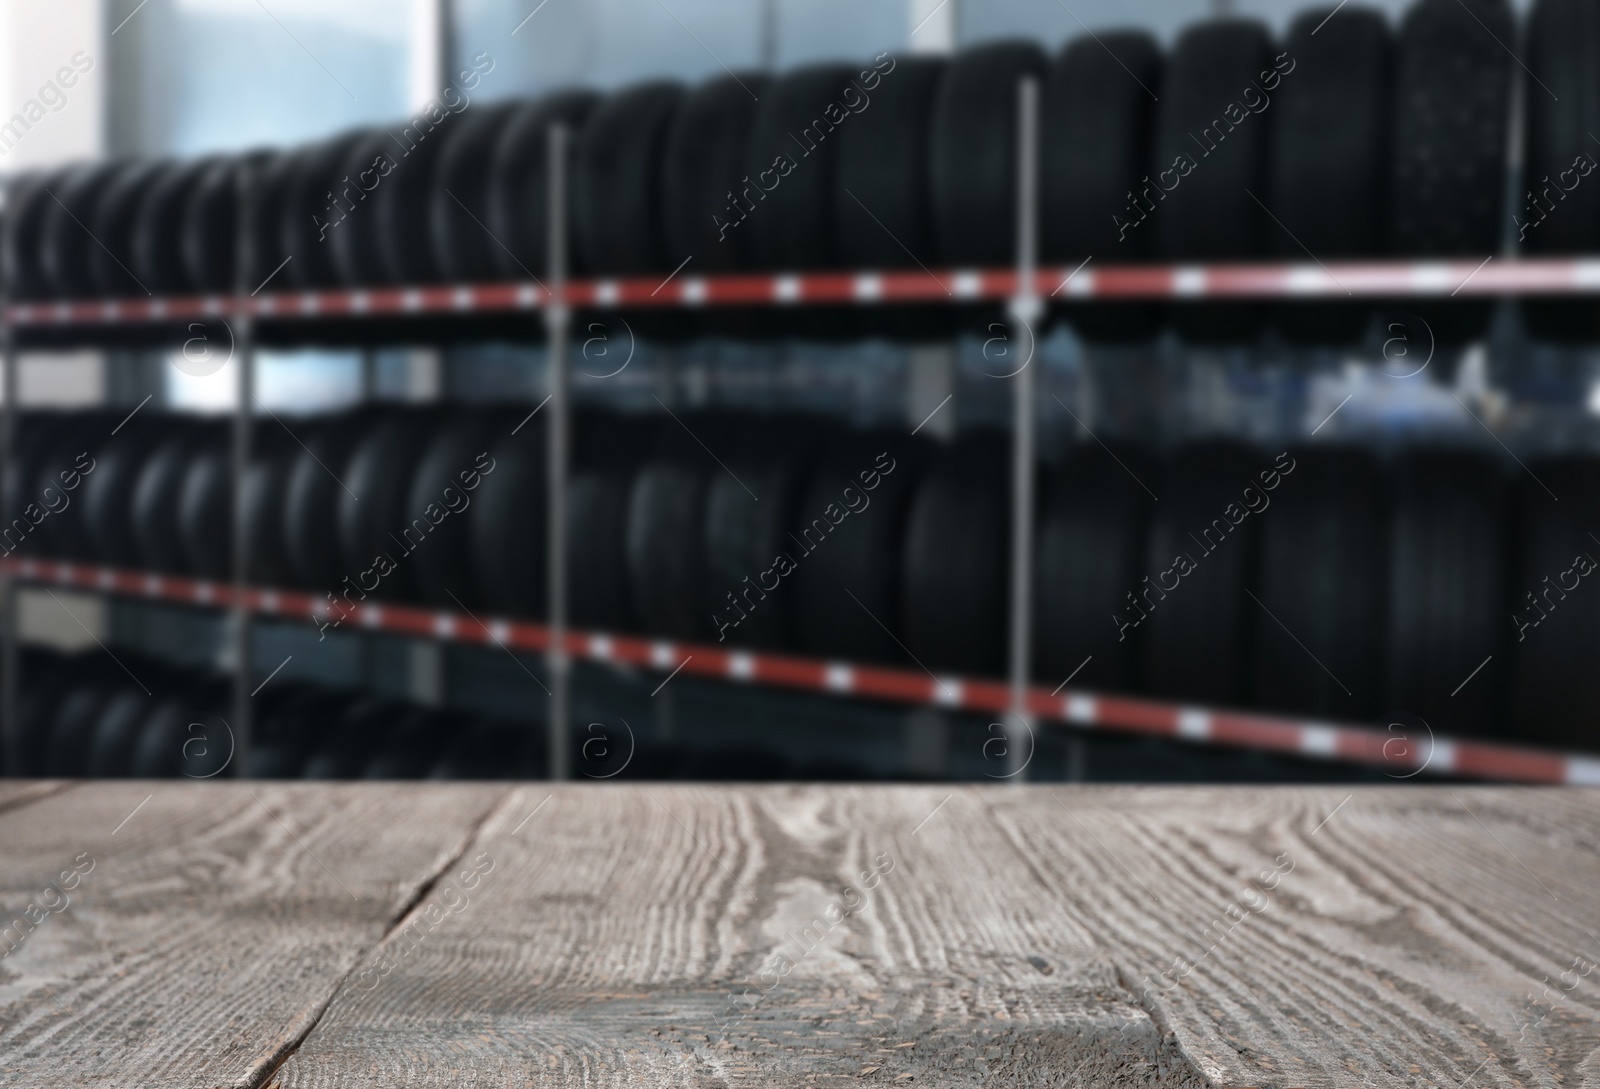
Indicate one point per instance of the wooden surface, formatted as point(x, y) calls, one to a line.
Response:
point(310, 935)
point(211, 925)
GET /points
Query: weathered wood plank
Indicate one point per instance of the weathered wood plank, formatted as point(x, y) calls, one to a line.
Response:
point(603, 946)
point(1395, 942)
point(1019, 938)
point(208, 923)
point(20, 792)
point(674, 935)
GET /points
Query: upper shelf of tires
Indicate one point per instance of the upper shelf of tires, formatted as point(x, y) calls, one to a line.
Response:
point(1348, 140)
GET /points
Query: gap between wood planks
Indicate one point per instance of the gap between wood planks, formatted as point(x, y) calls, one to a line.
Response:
point(269, 1075)
point(50, 790)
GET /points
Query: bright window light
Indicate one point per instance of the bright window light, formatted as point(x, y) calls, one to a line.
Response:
point(203, 393)
point(294, 382)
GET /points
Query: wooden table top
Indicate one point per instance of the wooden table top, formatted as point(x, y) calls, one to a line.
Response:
point(308, 935)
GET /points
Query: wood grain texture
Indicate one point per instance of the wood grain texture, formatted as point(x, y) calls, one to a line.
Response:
point(1020, 935)
point(603, 946)
point(683, 936)
point(1399, 946)
point(20, 792)
point(209, 923)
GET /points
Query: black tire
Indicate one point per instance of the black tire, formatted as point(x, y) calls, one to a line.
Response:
point(1563, 53)
point(116, 218)
point(266, 487)
point(463, 248)
point(666, 574)
point(1097, 120)
point(29, 206)
point(1322, 574)
point(262, 207)
point(505, 525)
point(208, 748)
point(607, 450)
point(1196, 639)
point(42, 693)
point(789, 224)
point(158, 493)
point(1210, 121)
point(519, 178)
point(158, 230)
point(656, 762)
point(290, 731)
point(744, 537)
point(736, 764)
point(74, 446)
point(65, 243)
point(666, 534)
point(184, 735)
point(1448, 165)
point(362, 730)
point(1328, 165)
point(37, 432)
point(616, 198)
point(881, 201)
point(400, 202)
point(863, 556)
point(972, 167)
point(373, 517)
point(205, 509)
point(1088, 551)
point(487, 750)
point(72, 728)
point(211, 224)
point(1448, 564)
point(882, 205)
point(449, 480)
point(355, 245)
point(955, 566)
point(597, 536)
point(319, 199)
point(704, 156)
point(108, 491)
point(116, 734)
point(418, 739)
point(1555, 690)
point(311, 502)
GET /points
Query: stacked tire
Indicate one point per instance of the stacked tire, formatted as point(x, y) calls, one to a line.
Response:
point(1346, 139)
point(85, 716)
point(1321, 581)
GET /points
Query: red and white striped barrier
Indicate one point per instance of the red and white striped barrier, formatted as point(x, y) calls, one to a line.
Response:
point(1077, 708)
point(1336, 280)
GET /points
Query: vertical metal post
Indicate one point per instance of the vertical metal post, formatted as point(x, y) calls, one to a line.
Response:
point(769, 35)
point(244, 354)
point(557, 318)
point(1025, 309)
point(239, 614)
point(10, 653)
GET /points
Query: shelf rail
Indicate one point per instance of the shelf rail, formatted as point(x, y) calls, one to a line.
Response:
point(1071, 707)
point(1348, 280)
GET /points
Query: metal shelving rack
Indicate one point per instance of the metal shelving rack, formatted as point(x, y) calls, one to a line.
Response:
point(1027, 289)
